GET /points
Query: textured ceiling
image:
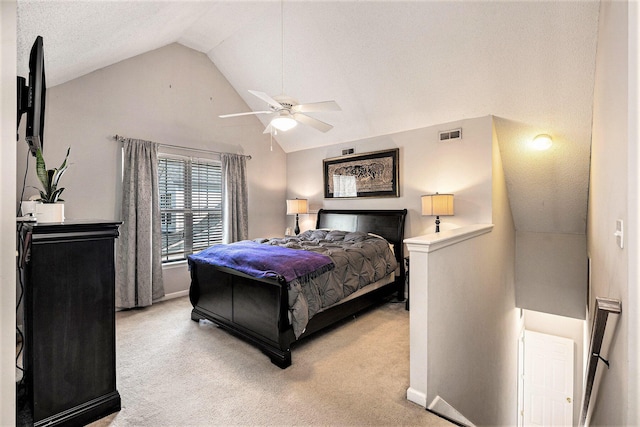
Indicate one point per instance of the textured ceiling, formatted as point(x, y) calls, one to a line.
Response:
point(391, 66)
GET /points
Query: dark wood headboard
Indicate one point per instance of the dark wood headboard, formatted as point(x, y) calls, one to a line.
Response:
point(386, 223)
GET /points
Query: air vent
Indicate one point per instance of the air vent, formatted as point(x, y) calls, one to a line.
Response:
point(451, 135)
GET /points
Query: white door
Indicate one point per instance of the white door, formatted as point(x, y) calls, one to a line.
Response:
point(548, 380)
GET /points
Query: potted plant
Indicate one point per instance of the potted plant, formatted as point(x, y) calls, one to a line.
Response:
point(50, 209)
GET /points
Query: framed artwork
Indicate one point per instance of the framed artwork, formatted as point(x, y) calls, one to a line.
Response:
point(374, 174)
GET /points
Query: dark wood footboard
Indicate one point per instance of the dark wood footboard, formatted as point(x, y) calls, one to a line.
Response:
point(257, 310)
point(254, 309)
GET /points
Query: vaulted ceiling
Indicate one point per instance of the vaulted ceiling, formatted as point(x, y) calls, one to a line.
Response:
point(390, 65)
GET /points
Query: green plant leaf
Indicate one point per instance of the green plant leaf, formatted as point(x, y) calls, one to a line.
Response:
point(41, 168)
point(60, 171)
point(50, 187)
point(55, 196)
point(50, 178)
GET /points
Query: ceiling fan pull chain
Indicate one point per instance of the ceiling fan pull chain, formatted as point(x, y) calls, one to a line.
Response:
point(272, 131)
point(282, 42)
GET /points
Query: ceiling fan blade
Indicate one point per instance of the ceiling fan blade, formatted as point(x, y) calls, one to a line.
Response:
point(266, 98)
point(316, 107)
point(224, 116)
point(268, 129)
point(310, 121)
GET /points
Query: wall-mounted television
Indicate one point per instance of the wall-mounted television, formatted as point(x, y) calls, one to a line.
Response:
point(31, 98)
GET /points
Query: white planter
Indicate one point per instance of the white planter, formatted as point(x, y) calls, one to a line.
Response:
point(29, 207)
point(50, 212)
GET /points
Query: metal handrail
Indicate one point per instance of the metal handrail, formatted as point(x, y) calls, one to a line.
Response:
point(604, 307)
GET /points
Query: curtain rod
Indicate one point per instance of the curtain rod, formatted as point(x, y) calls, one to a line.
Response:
point(120, 138)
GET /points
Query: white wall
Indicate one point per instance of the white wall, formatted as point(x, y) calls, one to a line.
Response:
point(7, 212)
point(470, 324)
point(633, 211)
point(473, 321)
point(426, 166)
point(609, 200)
point(172, 95)
point(551, 273)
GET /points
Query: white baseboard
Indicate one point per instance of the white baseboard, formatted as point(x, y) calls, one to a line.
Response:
point(441, 407)
point(175, 295)
point(416, 396)
point(167, 297)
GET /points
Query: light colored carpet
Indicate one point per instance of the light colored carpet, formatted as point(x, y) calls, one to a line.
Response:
point(174, 371)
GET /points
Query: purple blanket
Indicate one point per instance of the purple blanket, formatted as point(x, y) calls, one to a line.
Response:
point(258, 260)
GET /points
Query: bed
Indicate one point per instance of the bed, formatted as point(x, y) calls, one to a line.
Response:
point(259, 309)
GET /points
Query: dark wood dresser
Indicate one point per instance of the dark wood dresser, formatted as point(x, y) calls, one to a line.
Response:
point(69, 321)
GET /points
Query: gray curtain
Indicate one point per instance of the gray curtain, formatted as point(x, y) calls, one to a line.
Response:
point(139, 267)
point(235, 216)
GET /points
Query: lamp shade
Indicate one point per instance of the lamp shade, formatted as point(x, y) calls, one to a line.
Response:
point(437, 204)
point(297, 206)
point(284, 122)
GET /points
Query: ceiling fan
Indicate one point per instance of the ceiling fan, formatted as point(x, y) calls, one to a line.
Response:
point(289, 112)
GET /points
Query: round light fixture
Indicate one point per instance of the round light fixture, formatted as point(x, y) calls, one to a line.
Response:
point(541, 142)
point(284, 122)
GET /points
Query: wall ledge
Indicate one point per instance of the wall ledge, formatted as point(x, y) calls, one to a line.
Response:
point(434, 241)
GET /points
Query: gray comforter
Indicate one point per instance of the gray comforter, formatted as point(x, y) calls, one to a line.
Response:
point(360, 259)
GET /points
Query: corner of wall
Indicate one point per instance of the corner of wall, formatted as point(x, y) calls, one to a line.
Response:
point(611, 191)
point(505, 236)
point(7, 211)
point(501, 211)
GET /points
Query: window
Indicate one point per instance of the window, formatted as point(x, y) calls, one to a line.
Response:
point(190, 205)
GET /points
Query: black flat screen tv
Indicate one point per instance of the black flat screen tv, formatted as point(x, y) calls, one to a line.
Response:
point(31, 98)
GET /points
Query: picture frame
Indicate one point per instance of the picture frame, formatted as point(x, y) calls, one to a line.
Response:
point(373, 174)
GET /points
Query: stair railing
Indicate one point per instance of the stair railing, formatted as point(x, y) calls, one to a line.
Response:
point(600, 339)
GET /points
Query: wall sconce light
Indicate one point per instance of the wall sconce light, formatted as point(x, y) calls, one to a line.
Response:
point(541, 142)
point(437, 204)
point(297, 206)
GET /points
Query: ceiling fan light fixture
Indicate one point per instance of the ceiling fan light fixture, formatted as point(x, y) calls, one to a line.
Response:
point(284, 123)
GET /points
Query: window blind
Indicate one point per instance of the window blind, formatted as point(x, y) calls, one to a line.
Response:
point(190, 205)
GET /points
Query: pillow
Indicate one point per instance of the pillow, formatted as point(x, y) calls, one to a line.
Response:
point(355, 236)
point(336, 235)
point(393, 249)
point(376, 235)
